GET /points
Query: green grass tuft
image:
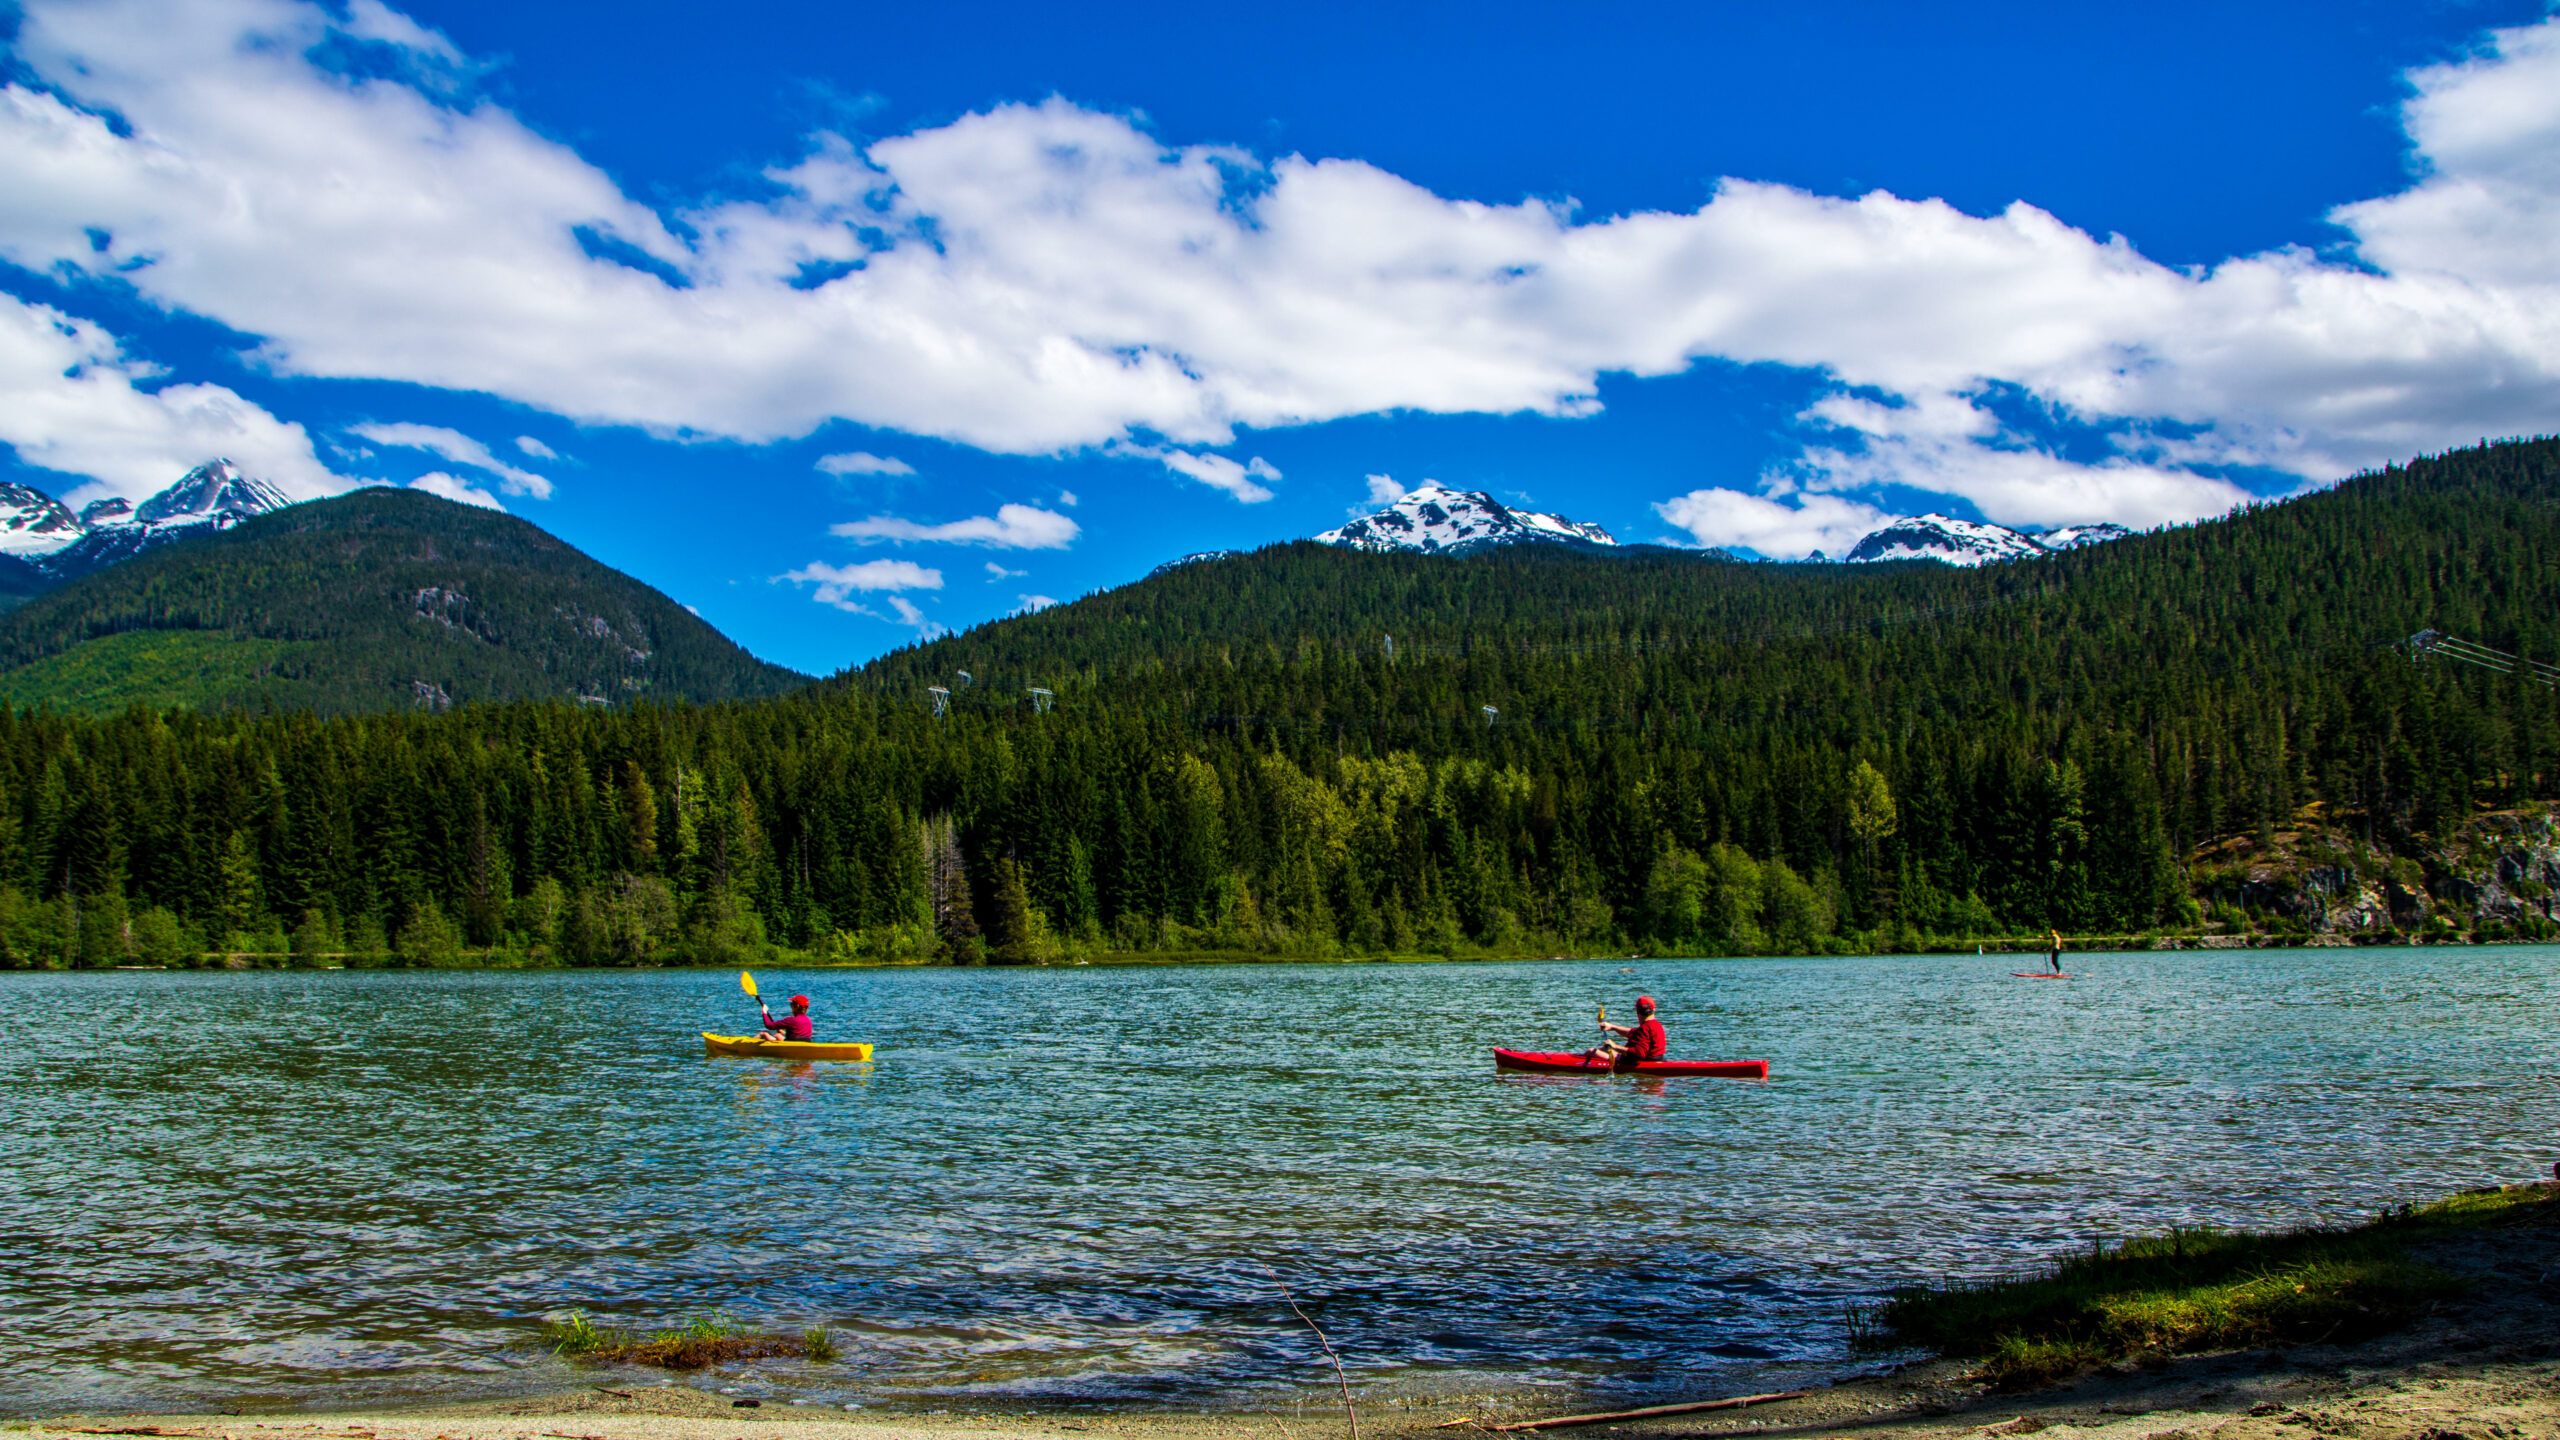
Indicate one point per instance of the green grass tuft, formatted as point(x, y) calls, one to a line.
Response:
point(2191, 1290)
point(703, 1341)
point(575, 1334)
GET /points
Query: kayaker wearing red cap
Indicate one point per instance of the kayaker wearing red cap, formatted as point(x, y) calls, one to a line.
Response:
point(794, 1026)
point(1644, 1040)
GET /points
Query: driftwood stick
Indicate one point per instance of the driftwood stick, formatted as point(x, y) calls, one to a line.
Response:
point(1343, 1380)
point(1732, 1403)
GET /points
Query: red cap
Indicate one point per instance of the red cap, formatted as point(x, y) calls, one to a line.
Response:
point(799, 999)
point(1644, 1002)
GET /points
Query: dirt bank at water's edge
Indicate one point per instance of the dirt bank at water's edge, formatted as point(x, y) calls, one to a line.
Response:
point(2485, 1366)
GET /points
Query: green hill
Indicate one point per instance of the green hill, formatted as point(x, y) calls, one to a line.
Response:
point(383, 599)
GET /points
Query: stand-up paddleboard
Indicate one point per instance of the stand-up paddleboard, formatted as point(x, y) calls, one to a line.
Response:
point(2041, 975)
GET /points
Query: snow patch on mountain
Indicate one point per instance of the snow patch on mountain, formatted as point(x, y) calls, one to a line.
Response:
point(34, 524)
point(1194, 558)
point(1950, 541)
point(1438, 520)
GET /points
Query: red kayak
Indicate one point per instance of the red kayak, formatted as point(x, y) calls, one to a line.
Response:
point(1541, 1062)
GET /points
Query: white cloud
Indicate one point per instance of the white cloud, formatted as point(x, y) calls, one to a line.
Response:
point(71, 401)
point(907, 613)
point(1383, 490)
point(1215, 471)
point(838, 583)
point(536, 448)
point(1794, 527)
point(436, 482)
point(458, 448)
point(1041, 278)
point(1012, 527)
point(997, 572)
point(1032, 602)
point(861, 463)
point(1067, 498)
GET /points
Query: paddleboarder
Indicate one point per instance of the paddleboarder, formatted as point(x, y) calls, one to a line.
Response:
point(2053, 949)
point(794, 1026)
point(1644, 1040)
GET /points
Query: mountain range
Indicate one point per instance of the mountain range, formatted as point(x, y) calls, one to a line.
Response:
point(1950, 541)
point(46, 535)
point(1438, 520)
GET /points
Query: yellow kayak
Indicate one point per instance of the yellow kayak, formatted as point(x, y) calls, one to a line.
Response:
point(780, 1049)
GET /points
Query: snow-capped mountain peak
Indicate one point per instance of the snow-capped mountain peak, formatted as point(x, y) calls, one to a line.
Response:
point(1436, 519)
point(1944, 538)
point(34, 524)
point(2072, 537)
point(214, 493)
point(213, 496)
point(1970, 542)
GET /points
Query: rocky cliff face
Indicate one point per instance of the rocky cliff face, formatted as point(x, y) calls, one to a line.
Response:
point(2496, 875)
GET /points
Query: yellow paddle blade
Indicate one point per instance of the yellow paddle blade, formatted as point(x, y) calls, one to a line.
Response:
point(1604, 1014)
point(746, 982)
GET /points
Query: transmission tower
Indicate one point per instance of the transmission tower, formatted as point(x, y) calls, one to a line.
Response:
point(1491, 715)
point(941, 699)
point(1391, 649)
point(2436, 642)
point(1041, 700)
point(966, 679)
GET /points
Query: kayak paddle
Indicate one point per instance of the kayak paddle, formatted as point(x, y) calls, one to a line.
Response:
point(747, 983)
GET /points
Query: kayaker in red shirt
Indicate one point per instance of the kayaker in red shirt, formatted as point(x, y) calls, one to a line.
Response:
point(794, 1026)
point(1644, 1040)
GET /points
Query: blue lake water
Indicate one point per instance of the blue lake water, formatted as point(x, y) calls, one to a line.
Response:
point(1086, 1186)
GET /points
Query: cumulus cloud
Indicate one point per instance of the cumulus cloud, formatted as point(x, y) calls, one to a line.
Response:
point(71, 401)
point(1033, 602)
point(1043, 278)
point(1239, 480)
point(837, 584)
point(859, 462)
point(1012, 527)
point(1794, 526)
point(436, 482)
point(1383, 490)
point(1067, 498)
point(536, 448)
point(458, 448)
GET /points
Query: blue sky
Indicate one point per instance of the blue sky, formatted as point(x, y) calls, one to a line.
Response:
point(843, 323)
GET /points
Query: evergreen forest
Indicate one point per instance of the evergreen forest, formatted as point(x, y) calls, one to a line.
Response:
point(1314, 752)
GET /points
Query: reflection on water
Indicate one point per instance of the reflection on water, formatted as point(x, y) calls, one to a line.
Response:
point(1066, 1186)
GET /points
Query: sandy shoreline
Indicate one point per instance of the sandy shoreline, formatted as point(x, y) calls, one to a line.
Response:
point(2483, 1366)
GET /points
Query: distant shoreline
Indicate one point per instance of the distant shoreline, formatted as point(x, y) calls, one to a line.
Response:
point(2011, 945)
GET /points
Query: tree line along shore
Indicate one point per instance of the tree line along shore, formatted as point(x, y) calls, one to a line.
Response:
point(2201, 734)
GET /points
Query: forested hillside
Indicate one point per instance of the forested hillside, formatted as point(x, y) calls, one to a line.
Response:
point(1681, 754)
point(383, 599)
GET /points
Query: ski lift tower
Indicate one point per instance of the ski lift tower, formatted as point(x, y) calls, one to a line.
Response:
point(1491, 715)
point(1041, 700)
point(941, 699)
point(966, 679)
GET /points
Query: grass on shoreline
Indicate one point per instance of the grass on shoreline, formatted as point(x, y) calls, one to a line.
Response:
point(703, 1342)
point(2196, 1289)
